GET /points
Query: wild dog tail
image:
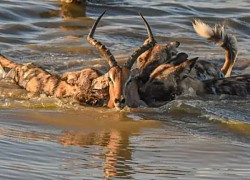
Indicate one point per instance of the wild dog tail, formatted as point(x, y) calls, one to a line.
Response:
point(234, 85)
point(218, 35)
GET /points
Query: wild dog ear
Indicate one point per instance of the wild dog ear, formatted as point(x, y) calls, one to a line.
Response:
point(178, 59)
point(175, 44)
point(172, 48)
point(184, 68)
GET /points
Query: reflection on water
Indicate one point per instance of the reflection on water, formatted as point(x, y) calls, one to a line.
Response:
point(47, 138)
point(72, 10)
point(106, 144)
point(118, 147)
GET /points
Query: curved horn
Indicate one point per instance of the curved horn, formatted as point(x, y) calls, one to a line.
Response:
point(150, 34)
point(150, 43)
point(102, 48)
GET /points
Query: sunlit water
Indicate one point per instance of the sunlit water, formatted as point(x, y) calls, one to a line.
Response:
point(189, 138)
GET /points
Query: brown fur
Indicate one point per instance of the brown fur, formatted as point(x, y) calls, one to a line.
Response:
point(154, 57)
point(162, 75)
point(165, 75)
point(234, 85)
point(88, 85)
point(220, 37)
point(71, 84)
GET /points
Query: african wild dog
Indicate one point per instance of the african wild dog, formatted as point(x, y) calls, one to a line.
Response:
point(165, 73)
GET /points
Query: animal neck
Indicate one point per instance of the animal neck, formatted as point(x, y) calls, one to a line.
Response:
point(132, 95)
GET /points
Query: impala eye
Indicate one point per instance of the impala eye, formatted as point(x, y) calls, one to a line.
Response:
point(116, 100)
point(110, 80)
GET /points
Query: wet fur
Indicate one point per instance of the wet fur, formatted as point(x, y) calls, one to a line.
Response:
point(220, 37)
point(86, 86)
point(163, 74)
point(163, 79)
point(77, 85)
point(234, 85)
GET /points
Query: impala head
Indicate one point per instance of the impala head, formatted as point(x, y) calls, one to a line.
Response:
point(118, 75)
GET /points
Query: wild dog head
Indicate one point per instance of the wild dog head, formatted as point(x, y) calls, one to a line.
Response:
point(159, 54)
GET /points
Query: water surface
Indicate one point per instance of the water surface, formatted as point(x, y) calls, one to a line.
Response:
point(189, 138)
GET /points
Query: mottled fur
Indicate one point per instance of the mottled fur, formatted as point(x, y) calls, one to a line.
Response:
point(220, 37)
point(234, 85)
point(71, 84)
point(163, 79)
point(164, 82)
point(154, 57)
point(162, 74)
point(88, 85)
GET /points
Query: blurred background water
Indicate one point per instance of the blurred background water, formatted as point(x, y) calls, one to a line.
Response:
point(189, 138)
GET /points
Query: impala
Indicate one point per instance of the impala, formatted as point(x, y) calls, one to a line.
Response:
point(88, 86)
